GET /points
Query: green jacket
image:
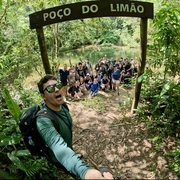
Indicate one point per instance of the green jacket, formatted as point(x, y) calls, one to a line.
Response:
point(60, 144)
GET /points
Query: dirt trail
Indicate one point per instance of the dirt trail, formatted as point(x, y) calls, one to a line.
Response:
point(117, 139)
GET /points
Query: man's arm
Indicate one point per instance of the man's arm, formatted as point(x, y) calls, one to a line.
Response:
point(70, 63)
point(68, 78)
point(64, 155)
point(80, 60)
point(57, 67)
point(91, 69)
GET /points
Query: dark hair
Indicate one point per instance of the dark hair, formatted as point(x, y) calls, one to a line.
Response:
point(44, 80)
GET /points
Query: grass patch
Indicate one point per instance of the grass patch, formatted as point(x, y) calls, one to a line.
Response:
point(98, 102)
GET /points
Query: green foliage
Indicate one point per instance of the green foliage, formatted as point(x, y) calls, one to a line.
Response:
point(13, 108)
point(160, 109)
point(19, 43)
point(162, 102)
point(6, 175)
point(8, 129)
point(30, 97)
point(30, 166)
point(175, 163)
point(160, 98)
point(166, 43)
point(24, 165)
point(157, 143)
point(111, 37)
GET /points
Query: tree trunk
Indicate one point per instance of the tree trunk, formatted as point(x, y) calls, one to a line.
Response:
point(56, 40)
point(43, 49)
point(142, 62)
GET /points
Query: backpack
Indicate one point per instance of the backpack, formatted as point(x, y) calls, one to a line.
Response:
point(31, 136)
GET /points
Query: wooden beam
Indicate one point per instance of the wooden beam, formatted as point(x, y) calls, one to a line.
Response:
point(91, 9)
point(43, 49)
point(142, 62)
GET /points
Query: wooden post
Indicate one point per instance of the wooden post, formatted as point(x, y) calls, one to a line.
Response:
point(142, 63)
point(43, 49)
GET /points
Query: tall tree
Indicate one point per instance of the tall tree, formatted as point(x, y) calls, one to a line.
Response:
point(166, 43)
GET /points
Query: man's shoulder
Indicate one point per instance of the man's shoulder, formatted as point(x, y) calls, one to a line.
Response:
point(61, 70)
point(67, 72)
point(43, 113)
point(43, 118)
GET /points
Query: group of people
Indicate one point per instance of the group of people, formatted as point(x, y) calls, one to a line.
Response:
point(107, 74)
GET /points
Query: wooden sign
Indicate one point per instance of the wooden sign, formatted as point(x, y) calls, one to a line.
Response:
point(90, 9)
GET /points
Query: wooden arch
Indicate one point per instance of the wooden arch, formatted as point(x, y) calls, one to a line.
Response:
point(91, 9)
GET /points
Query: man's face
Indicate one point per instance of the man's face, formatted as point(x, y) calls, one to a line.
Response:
point(65, 66)
point(95, 81)
point(55, 98)
point(104, 76)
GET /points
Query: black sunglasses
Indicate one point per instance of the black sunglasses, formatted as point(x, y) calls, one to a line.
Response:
point(51, 88)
